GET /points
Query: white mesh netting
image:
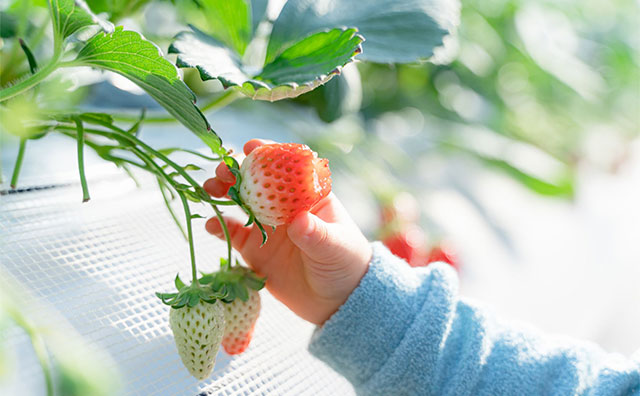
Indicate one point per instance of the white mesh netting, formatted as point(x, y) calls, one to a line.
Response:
point(99, 265)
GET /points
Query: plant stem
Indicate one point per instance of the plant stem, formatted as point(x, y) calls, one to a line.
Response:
point(41, 352)
point(129, 173)
point(1, 176)
point(32, 81)
point(118, 134)
point(168, 205)
point(193, 152)
point(39, 347)
point(167, 161)
point(187, 213)
point(227, 236)
point(18, 165)
point(33, 65)
point(218, 102)
point(83, 177)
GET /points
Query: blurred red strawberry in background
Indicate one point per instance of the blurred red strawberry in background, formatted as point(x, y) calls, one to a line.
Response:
point(408, 244)
point(399, 231)
point(402, 234)
point(444, 252)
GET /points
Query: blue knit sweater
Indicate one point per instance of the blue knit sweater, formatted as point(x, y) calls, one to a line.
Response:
point(405, 331)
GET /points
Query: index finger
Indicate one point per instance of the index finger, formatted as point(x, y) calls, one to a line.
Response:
point(255, 143)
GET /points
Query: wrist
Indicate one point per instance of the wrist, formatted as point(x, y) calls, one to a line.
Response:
point(357, 270)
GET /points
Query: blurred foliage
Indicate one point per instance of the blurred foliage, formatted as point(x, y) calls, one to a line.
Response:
point(70, 367)
point(530, 89)
point(545, 73)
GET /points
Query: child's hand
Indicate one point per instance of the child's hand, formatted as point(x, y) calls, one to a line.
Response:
point(313, 264)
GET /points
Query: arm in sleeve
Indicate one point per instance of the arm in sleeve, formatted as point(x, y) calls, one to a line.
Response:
point(405, 331)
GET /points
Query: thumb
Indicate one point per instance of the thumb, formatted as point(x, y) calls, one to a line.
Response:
point(314, 237)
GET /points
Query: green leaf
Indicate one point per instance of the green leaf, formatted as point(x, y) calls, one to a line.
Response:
point(253, 281)
point(171, 150)
point(69, 16)
point(182, 300)
point(8, 25)
point(135, 128)
point(197, 216)
point(258, 12)
point(182, 187)
point(229, 22)
point(191, 196)
point(96, 118)
point(116, 8)
point(178, 282)
point(300, 68)
point(314, 57)
point(130, 55)
point(192, 167)
point(558, 188)
point(340, 96)
point(398, 31)
point(33, 65)
point(194, 299)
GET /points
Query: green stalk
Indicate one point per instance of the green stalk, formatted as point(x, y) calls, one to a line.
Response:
point(1, 178)
point(18, 165)
point(83, 177)
point(167, 161)
point(187, 213)
point(171, 212)
point(227, 236)
point(119, 134)
point(129, 173)
point(33, 65)
point(39, 347)
point(32, 81)
point(41, 352)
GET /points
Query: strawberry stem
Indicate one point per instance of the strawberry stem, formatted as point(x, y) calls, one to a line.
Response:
point(39, 347)
point(83, 177)
point(18, 165)
point(120, 135)
point(187, 213)
point(162, 187)
point(32, 81)
point(227, 236)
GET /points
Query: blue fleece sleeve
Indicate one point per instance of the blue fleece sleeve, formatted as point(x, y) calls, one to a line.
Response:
point(405, 331)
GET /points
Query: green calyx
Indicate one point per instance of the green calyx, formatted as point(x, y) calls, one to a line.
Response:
point(234, 194)
point(232, 282)
point(189, 296)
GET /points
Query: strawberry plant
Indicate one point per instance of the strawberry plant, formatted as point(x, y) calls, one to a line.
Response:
point(253, 50)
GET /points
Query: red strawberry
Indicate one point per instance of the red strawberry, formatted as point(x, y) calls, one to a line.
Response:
point(445, 253)
point(283, 179)
point(408, 244)
point(240, 318)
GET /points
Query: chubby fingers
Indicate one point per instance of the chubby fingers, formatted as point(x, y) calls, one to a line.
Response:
point(252, 144)
point(219, 185)
point(224, 174)
point(238, 233)
point(216, 187)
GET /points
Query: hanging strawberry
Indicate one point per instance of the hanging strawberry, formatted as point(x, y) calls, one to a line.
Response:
point(241, 303)
point(197, 321)
point(278, 181)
